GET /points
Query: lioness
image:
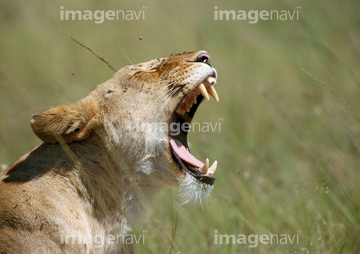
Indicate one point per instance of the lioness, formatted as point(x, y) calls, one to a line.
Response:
point(105, 157)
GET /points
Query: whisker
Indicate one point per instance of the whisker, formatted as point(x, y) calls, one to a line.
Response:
point(161, 93)
point(155, 95)
point(160, 90)
point(158, 95)
point(168, 98)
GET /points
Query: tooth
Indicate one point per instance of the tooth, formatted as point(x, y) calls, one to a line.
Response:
point(188, 106)
point(180, 111)
point(213, 167)
point(211, 80)
point(201, 88)
point(204, 169)
point(211, 90)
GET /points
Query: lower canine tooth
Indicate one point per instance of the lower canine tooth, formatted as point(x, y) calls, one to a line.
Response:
point(213, 167)
point(201, 88)
point(204, 169)
point(211, 90)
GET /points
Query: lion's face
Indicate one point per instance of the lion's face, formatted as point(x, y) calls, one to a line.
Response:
point(141, 116)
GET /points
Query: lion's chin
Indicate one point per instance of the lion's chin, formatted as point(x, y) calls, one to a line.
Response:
point(192, 190)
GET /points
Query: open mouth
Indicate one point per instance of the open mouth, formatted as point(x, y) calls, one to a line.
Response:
point(178, 141)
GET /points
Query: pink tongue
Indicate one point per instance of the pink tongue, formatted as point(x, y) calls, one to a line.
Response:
point(184, 154)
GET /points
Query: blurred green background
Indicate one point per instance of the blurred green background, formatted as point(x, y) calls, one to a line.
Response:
point(288, 150)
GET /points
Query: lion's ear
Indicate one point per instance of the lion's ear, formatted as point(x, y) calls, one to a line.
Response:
point(65, 124)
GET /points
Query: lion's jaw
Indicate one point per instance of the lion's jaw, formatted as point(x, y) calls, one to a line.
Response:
point(140, 103)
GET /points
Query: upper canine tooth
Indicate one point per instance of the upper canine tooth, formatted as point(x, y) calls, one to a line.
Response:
point(213, 167)
point(204, 169)
point(201, 88)
point(211, 80)
point(211, 90)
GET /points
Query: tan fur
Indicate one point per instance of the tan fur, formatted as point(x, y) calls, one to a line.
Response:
point(96, 169)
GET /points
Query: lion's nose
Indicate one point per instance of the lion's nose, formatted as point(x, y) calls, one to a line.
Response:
point(203, 57)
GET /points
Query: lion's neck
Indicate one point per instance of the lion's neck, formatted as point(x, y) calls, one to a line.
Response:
point(115, 196)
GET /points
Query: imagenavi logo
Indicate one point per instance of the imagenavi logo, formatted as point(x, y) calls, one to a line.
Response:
point(99, 16)
point(253, 16)
point(253, 240)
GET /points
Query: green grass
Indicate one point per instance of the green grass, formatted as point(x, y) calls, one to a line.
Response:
point(289, 147)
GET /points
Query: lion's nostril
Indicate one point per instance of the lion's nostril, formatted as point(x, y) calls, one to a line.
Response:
point(203, 58)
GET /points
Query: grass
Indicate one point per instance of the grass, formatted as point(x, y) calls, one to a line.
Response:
point(288, 150)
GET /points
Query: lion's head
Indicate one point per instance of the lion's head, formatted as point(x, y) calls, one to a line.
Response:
point(140, 117)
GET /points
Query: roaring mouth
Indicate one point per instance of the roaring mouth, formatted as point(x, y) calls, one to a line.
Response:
point(178, 141)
